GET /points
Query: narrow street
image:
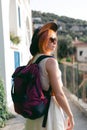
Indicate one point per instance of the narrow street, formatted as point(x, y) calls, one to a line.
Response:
point(79, 117)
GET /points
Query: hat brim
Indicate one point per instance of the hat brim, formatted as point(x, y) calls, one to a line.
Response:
point(53, 26)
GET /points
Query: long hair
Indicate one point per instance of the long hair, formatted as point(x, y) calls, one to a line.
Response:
point(40, 42)
point(44, 40)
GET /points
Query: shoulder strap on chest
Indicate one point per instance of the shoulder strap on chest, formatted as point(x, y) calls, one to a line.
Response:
point(42, 57)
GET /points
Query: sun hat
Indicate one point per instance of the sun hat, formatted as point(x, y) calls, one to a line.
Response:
point(34, 43)
point(52, 25)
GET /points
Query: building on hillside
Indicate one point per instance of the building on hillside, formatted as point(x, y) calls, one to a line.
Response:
point(16, 23)
point(37, 22)
point(81, 51)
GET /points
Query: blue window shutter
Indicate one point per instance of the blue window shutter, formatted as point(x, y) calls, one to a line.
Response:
point(16, 59)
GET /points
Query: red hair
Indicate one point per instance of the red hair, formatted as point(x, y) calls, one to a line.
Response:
point(43, 40)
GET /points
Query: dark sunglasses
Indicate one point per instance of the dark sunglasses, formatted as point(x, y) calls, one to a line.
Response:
point(53, 39)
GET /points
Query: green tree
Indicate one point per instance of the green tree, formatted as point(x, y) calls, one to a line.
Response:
point(83, 39)
point(64, 43)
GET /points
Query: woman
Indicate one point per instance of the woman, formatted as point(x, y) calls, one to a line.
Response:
point(44, 42)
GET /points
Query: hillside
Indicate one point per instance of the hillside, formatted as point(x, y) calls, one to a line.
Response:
point(66, 26)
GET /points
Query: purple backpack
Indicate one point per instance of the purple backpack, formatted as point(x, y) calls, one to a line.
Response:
point(29, 99)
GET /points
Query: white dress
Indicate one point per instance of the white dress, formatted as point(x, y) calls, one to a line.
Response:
point(55, 119)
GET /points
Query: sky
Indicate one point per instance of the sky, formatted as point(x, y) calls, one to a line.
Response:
point(71, 8)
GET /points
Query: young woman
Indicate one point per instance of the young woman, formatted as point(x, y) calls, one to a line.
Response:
point(44, 42)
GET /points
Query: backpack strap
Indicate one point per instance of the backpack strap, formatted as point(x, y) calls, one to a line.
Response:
point(49, 91)
point(42, 57)
point(46, 114)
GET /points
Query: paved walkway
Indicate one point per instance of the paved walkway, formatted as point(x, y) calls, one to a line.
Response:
point(78, 102)
point(17, 123)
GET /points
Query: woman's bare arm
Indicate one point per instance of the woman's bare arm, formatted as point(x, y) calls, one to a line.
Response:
point(52, 69)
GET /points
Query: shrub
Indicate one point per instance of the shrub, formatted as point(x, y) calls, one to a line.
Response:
point(15, 39)
point(4, 114)
point(68, 59)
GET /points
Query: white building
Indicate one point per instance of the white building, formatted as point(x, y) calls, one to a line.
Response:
point(15, 17)
point(81, 49)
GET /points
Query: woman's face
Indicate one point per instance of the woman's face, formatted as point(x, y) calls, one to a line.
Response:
point(48, 42)
point(52, 42)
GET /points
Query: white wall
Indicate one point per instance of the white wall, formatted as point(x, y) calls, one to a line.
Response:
point(8, 23)
point(83, 57)
point(5, 67)
point(2, 62)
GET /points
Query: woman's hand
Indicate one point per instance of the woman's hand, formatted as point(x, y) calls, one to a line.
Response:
point(70, 123)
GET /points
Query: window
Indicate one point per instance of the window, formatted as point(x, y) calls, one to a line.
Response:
point(19, 16)
point(80, 53)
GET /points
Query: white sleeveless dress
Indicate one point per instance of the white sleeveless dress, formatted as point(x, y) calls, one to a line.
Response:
point(55, 119)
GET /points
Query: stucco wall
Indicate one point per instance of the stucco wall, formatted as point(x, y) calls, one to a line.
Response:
point(8, 24)
point(82, 54)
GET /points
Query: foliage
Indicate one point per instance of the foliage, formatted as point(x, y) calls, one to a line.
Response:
point(71, 50)
point(4, 114)
point(66, 23)
point(62, 48)
point(64, 43)
point(83, 39)
point(14, 39)
point(68, 59)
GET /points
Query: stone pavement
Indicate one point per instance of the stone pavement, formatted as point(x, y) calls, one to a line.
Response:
point(17, 123)
point(78, 102)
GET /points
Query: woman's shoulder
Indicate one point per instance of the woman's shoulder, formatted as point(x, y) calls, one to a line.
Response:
point(52, 60)
point(51, 63)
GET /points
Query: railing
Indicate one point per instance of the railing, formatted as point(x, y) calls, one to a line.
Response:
point(74, 77)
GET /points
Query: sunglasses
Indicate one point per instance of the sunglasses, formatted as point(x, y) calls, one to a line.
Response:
point(53, 39)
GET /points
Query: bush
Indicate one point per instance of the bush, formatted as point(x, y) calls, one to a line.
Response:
point(68, 59)
point(4, 114)
point(15, 39)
